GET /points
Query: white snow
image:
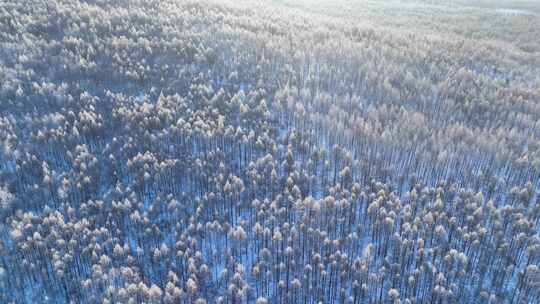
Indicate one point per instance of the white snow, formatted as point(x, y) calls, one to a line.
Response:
point(140, 97)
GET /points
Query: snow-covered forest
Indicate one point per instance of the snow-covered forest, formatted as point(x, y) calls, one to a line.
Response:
point(186, 151)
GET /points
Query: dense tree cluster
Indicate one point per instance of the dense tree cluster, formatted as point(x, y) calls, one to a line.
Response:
point(200, 152)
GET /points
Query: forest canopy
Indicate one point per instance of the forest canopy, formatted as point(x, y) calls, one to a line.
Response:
point(184, 151)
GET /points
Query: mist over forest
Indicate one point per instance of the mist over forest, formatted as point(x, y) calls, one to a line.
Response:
point(278, 151)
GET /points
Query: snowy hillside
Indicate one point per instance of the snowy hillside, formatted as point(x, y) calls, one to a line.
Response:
point(184, 151)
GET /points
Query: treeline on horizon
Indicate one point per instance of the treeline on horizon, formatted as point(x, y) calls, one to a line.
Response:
point(218, 152)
